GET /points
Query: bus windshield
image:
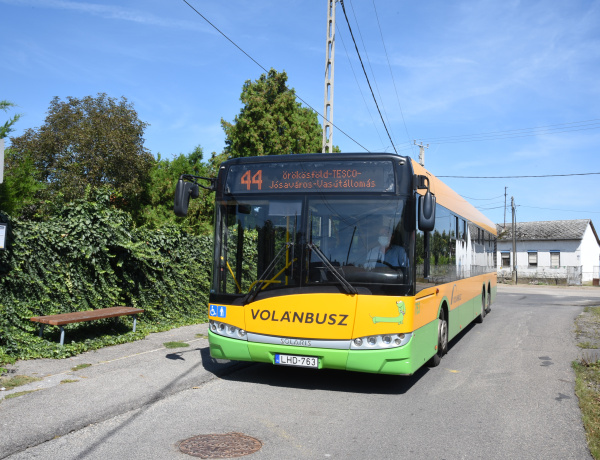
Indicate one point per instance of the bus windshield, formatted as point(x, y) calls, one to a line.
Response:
point(315, 243)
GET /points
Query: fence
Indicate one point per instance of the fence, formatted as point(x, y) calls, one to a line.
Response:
point(570, 276)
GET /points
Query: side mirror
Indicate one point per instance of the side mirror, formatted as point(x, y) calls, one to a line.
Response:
point(183, 192)
point(427, 212)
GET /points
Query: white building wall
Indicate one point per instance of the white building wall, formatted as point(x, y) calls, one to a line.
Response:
point(570, 252)
point(584, 253)
point(590, 255)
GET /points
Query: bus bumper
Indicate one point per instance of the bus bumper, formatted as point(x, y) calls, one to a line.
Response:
point(397, 361)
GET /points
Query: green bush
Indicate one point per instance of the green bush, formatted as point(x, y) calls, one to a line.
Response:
point(87, 256)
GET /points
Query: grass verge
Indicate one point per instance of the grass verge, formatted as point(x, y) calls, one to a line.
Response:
point(8, 383)
point(18, 393)
point(587, 376)
point(80, 366)
point(587, 389)
point(175, 344)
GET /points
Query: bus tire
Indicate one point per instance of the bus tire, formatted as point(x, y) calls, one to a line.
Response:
point(489, 300)
point(479, 319)
point(442, 347)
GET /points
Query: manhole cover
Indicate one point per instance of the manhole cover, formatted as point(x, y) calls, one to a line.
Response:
point(228, 445)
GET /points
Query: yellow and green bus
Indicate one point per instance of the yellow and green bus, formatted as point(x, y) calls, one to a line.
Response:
point(360, 262)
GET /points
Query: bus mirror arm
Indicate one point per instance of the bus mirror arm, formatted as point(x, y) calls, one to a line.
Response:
point(188, 187)
point(420, 182)
point(213, 182)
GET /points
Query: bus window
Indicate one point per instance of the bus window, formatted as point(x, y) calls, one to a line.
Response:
point(251, 238)
point(348, 231)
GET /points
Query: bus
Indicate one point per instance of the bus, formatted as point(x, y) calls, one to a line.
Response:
point(351, 261)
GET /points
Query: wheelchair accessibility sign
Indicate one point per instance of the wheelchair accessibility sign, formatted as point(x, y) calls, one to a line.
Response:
point(219, 311)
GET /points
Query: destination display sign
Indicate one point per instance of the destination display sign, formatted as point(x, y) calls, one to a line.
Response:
point(318, 176)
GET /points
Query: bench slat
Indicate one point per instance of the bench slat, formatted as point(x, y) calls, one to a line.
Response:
point(80, 316)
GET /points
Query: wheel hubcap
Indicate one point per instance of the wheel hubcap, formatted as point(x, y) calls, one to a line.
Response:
point(443, 336)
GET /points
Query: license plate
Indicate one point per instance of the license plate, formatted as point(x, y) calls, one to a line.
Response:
point(300, 361)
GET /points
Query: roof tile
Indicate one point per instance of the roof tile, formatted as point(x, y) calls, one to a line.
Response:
point(545, 230)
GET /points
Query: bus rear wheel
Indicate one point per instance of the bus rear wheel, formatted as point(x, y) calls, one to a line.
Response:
point(442, 347)
point(479, 319)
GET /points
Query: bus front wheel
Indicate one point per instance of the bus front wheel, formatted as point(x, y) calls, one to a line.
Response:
point(442, 347)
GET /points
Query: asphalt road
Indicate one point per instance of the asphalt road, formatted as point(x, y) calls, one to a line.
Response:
point(505, 390)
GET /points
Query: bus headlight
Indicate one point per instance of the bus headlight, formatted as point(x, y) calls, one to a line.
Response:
point(227, 330)
point(374, 342)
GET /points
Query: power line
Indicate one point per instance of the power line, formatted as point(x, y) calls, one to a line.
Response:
point(487, 209)
point(229, 39)
point(366, 76)
point(592, 121)
point(259, 65)
point(382, 100)
point(392, 75)
point(584, 125)
point(358, 85)
point(561, 210)
point(493, 198)
point(523, 177)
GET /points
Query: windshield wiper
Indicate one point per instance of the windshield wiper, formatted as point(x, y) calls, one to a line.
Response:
point(343, 281)
point(263, 278)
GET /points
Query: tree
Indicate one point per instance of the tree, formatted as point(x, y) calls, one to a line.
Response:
point(20, 187)
point(93, 141)
point(20, 184)
point(271, 121)
point(161, 191)
point(7, 127)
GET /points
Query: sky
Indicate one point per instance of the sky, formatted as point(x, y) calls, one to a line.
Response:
point(494, 89)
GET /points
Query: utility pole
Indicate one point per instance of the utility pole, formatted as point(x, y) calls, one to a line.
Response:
point(514, 240)
point(329, 55)
point(421, 152)
point(505, 207)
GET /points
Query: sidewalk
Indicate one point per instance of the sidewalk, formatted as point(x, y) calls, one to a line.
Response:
point(120, 378)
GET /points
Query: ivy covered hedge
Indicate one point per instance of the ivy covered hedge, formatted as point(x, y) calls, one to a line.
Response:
point(87, 256)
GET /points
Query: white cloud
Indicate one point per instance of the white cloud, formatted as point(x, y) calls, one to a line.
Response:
point(111, 12)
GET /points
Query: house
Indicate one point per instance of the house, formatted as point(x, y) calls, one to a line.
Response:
point(559, 249)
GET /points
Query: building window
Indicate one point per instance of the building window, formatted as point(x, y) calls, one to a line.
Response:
point(532, 258)
point(505, 259)
point(555, 259)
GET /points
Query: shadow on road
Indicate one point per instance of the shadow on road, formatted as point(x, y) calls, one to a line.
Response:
point(326, 379)
point(312, 379)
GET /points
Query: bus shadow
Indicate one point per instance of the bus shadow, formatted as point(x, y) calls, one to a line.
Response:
point(458, 337)
point(323, 379)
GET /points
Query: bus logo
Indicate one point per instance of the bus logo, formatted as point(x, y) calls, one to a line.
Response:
point(332, 319)
point(396, 319)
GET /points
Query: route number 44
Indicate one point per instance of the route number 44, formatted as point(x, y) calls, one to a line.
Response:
point(248, 179)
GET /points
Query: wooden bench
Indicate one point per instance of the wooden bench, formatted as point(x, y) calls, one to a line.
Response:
point(81, 316)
